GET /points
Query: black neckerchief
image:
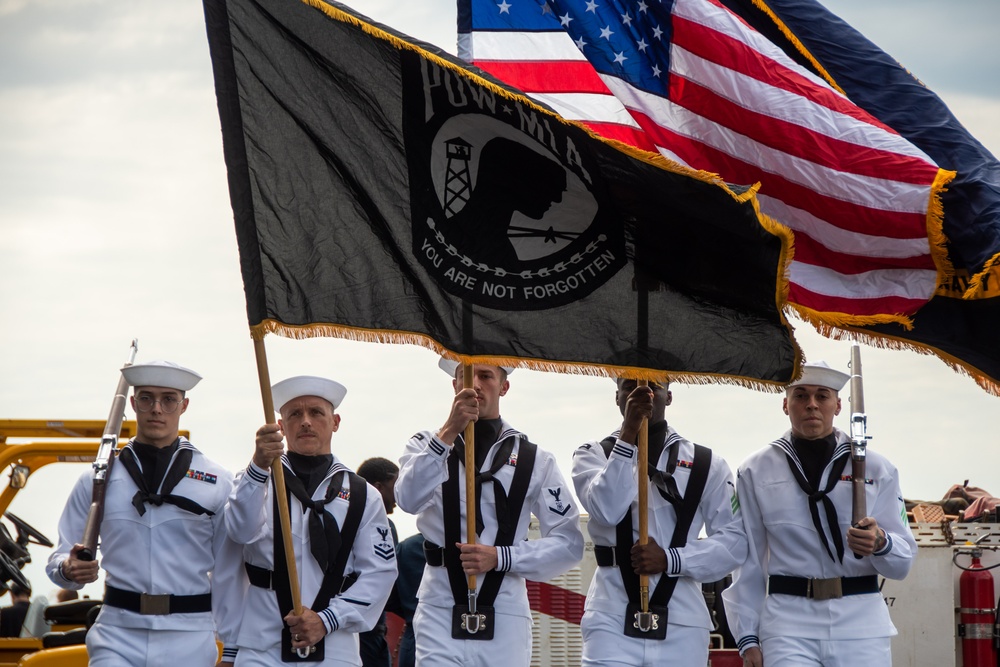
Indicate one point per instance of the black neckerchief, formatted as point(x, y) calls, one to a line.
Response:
point(814, 455)
point(181, 462)
point(311, 470)
point(487, 431)
point(812, 491)
point(324, 533)
point(486, 434)
point(663, 479)
point(154, 460)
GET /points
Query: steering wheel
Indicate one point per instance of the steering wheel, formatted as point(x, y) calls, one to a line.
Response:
point(25, 533)
point(9, 572)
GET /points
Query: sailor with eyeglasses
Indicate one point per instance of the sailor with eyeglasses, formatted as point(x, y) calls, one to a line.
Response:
point(161, 536)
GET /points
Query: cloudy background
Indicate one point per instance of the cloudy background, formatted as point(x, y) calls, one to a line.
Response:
point(115, 223)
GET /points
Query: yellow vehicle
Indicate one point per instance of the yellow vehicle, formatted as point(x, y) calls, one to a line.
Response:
point(25, 447)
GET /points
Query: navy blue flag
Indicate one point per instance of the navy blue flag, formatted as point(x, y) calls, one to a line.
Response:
point(961, 323)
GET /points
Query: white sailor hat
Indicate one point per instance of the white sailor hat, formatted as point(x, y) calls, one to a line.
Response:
point(307, 385)
point(161, 374)
point(820, 374)
point(449, 366)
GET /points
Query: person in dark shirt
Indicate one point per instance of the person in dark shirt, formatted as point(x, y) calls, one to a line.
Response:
point(380, 473)
point(403, 602)
point(12, 617)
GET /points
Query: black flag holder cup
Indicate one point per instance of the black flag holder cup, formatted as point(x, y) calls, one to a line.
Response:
point(472, 622)
point(649, 624)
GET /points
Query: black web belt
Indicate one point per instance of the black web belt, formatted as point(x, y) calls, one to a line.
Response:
point(822, 589)
point(264, 578)
point(157, 605)
point(433, 554)
point(605, 556)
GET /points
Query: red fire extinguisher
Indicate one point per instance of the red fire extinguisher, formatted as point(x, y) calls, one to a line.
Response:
point(977, 627)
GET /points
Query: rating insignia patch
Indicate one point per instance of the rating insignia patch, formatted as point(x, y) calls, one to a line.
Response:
point(557, 505)
point(382, 544)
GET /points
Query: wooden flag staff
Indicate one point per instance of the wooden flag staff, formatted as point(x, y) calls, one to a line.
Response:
point(278, 472)
point(643, 618)
point(472, 620)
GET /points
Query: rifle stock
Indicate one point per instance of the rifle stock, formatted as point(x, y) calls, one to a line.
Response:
point(102, 464)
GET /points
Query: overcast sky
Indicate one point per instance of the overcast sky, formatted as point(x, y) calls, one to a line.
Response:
point(115, 223)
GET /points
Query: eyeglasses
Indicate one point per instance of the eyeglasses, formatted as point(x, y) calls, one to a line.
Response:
point(168, 404)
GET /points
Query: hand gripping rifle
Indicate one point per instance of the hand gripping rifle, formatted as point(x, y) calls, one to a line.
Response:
point(859, 439)
point(102, 464)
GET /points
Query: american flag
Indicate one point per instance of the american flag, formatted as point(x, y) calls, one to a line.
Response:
point(692, 81)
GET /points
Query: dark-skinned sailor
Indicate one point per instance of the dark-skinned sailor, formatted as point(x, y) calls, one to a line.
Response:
point(690, 489)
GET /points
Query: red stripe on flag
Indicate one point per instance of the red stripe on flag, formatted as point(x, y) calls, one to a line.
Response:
point(625, 134)
point(555, 601)
point(821, 302)
point(552, 76)
point(845, 215)
point(809, 251)
point(722, 50)
point(798, 140)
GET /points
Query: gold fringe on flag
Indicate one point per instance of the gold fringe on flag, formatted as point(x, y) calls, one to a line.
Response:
point(326, 330)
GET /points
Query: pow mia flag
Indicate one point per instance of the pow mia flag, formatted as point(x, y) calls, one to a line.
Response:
point(505, 206)
point(385, 191)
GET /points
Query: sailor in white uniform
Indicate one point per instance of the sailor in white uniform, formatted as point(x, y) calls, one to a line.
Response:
point(690, 488)
point(344, 554)
point(808, 593)
point(161, 537)
point(516, 479)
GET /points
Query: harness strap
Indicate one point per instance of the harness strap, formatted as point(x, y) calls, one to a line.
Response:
point(685, 509)
point(333, 576)
point(507, 525)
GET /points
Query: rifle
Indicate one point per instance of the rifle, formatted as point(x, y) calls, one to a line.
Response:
point(102, 464)
point(859, 438)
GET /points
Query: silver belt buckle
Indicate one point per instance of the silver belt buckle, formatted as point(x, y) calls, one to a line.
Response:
point(154, 605)
point(825, 589)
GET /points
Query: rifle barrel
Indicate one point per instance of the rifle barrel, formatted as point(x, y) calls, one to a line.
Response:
point(102, 464)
